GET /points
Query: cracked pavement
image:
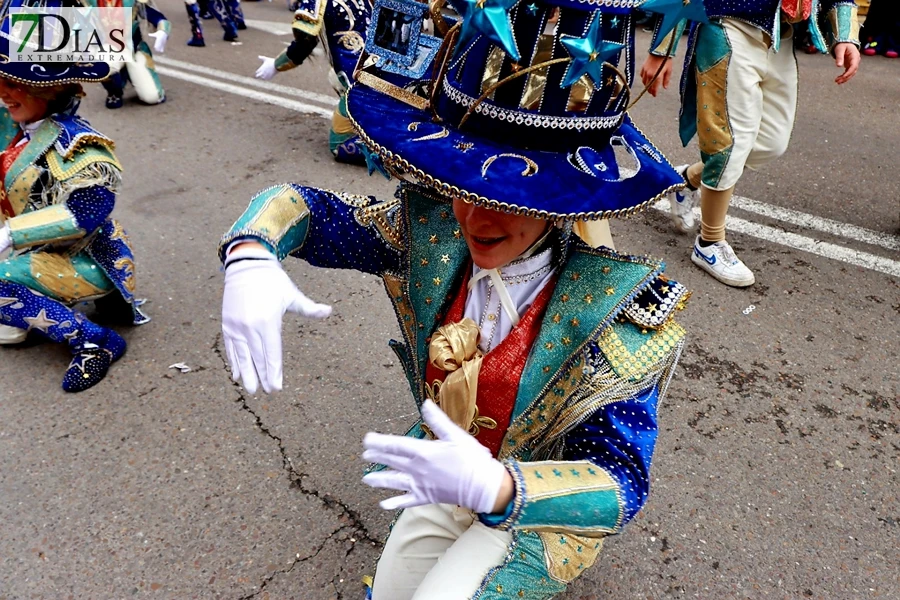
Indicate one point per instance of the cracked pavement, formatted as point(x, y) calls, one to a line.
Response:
point(776, 470)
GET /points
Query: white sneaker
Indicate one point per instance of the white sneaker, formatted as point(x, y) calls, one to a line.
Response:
point(719, 261)
point(681, 205)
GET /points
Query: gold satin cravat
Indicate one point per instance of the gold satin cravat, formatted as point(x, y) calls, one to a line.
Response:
point(454, 349)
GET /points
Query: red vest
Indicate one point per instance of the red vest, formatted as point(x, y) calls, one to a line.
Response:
point(501, 368)
point(7, 158)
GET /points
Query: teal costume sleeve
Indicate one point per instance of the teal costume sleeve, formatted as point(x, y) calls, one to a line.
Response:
point(82, 213)
point(326, 229)
point(843, 22)
point(578, 495)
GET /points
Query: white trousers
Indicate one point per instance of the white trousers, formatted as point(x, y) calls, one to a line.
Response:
point(438, 552)
point(12, 335)
point(760, 100)
point(143, 80)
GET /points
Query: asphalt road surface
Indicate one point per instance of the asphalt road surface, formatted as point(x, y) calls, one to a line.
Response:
point(776, 469)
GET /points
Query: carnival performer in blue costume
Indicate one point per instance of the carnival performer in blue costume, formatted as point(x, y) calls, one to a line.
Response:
point(537, 362)
point(59, 180)
point(227, 12)
point(342, 27)
point(141, 73)
point(739, 96)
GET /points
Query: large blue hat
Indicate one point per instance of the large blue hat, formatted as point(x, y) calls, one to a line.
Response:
point(47, 73)
point(524, 111)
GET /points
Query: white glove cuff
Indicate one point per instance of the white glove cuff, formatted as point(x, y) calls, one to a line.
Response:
point(5, 237)
point(247, 254)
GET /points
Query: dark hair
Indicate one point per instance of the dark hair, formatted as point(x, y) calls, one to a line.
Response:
point(59, 97)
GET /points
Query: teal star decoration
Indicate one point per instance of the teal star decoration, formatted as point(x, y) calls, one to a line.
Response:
point(673, 11)
point(532, 9)
point(614, 22)
point(491, 19)
point(373, 161)
point(588, 55)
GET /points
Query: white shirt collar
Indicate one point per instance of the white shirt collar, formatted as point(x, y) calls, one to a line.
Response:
point(28, 129)
point(497, 298)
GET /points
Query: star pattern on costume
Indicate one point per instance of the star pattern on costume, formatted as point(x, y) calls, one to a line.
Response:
point(40, 322)
point(373, 161)
point(673, 11)
point(489, 18)
point(81, 361)
point(6, 301)
point(532, 9)
point(588, 55)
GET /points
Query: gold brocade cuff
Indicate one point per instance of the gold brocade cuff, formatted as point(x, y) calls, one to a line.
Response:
point(283, 63)
point(843, 21)
point(52, 224)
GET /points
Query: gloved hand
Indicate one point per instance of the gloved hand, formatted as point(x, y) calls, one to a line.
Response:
point(257, 294)
point(159, 45)
point(5, 238)
point(267, 69)
point(452, 469)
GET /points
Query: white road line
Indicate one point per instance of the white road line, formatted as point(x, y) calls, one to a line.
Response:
point(799, 242)
point(795, 217)
point(273, 27)
point(325, 113)
point(251, 81)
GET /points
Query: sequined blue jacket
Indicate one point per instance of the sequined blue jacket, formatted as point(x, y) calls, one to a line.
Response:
point(584, 426)
point(840, 15)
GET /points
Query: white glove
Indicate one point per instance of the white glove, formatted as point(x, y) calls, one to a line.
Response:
point(159, 45)
point(5, 239)
point(267, 69)
point(257, 294)
point(452, 469)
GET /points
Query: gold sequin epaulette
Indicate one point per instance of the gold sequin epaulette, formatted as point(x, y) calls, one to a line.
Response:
point(62, 168)
point(309, 19)
point(633, 351)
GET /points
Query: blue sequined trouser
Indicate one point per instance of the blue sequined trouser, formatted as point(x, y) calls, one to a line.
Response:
point(229, 14)
point(36, 287)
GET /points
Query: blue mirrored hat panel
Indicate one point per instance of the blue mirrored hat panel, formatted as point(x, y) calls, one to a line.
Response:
point(396, 40)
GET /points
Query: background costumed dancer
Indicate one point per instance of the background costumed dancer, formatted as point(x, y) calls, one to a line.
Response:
point(342, 28)
point(59, 182)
